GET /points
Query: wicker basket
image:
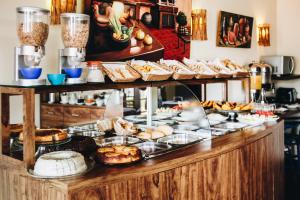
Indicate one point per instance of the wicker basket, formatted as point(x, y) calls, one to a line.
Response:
point(187, 74)
point(108, 69)
point(153, 77)
point(120, 130)
point(224, 75)
point(203, 76)
point(241, 74)
point(104, 125)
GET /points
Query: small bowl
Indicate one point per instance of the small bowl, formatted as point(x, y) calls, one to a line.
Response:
point(73, 72)
point(31, 72)
point(56, 79)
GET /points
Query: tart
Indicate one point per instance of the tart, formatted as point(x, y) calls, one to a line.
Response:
point(119, 154)
point(47, 135)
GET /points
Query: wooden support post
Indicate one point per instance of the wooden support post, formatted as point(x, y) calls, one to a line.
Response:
point(247, 89)
point(204, 92)
point(29, 127)
point(4, 132)
point(226, 90)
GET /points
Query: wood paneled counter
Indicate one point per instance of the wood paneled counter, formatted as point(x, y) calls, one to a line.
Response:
point(242, 165)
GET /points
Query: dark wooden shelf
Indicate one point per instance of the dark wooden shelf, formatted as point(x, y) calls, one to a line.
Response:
point(286, 77)
point(44, 89)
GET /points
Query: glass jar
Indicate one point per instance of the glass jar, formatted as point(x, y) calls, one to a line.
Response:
point(256, 78)
point(95, 74)
point(75, 29)
point(32, 25)
point(267, 76)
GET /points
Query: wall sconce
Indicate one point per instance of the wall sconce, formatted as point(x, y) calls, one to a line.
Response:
point(58, 7)
point(264, 35)
point(198, 27)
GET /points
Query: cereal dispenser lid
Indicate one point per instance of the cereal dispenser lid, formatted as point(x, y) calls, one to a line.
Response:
point(75, 15)
point(35, 10)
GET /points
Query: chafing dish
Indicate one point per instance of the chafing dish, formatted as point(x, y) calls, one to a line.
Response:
point(152, 149)
point(90, 133)
point(184, 127)
point(180, 139)
point(232, 126)
point(117, 140)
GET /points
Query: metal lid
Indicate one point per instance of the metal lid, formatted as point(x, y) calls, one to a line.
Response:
point(75, 15)
point(267, 69)
point(29, 9)
point(255, 68)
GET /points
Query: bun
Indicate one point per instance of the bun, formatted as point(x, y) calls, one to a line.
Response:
point(157, 134)
point(119, 154)
point(167, 130)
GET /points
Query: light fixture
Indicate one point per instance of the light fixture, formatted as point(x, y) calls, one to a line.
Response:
point(263, 35)
point(58, 7)
point(118, 8)
point(198, 27)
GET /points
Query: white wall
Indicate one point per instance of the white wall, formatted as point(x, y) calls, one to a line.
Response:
point(8, 40)
point(288, 31)
point(263, 11)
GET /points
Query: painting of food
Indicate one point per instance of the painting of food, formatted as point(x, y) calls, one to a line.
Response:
point(234, 30)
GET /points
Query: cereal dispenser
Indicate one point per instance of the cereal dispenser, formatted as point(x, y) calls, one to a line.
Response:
point(32, 30)
point(75, 33)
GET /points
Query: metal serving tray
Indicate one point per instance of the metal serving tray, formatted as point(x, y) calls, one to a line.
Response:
point(117, 140)
point(180, 139)
point(231, 126)
point(90, 133)
point(152, 149)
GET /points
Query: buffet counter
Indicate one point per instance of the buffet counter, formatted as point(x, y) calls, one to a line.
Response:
point(242, 165)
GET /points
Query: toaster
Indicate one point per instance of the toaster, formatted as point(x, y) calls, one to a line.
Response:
point(286, 95)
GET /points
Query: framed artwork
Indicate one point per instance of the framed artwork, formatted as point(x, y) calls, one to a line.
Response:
point(234, 30)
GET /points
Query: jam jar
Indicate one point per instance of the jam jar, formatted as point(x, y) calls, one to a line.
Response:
point(95, 74)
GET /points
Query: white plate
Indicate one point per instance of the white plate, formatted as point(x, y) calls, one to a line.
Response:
point(64, 102)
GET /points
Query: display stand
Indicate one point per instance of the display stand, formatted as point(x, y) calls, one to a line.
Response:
point(28, 94)
point(234, 159)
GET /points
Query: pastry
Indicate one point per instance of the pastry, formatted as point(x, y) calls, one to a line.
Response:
point(123, 127)
point(145, 135)
point(156, 133)
point(47, 135)
point(167, 130)
point(60, 163)
point(119, 154)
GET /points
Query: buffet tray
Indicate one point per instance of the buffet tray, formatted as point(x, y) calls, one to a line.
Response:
point(153, 148)
point(109, 68)
point(117, 140)
point(231, 126)
point(180, 139)
point(90, 165)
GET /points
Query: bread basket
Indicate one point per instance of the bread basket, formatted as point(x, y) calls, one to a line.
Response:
point(113, 71)
point(159, 74)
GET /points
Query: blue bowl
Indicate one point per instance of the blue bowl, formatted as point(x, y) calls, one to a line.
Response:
point(73, 72)
point(30, 73)
point(56, 79)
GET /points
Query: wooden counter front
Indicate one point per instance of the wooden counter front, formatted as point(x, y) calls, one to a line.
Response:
point(242, 165)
